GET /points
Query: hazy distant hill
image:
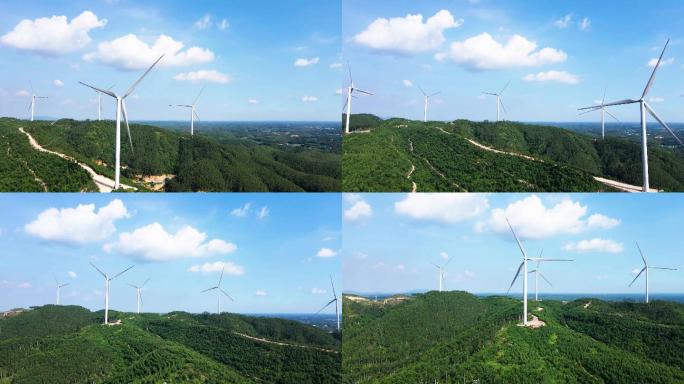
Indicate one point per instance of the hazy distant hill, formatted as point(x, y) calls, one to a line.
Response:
point(452, 336)
point(68, 344)
point(518, 157)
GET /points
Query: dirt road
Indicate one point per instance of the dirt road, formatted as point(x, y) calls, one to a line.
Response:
point(284, 344)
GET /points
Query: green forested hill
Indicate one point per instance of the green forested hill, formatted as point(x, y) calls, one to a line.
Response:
point(445, 161)
point(199, 163)
point(454, 336)
point(68, 344)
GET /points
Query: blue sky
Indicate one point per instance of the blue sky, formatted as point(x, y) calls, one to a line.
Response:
point(389, 241)
point(592, 46)
point(277, 259)
point(252, 46)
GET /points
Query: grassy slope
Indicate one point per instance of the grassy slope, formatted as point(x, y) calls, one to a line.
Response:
point(60, 344)
point(463, 336)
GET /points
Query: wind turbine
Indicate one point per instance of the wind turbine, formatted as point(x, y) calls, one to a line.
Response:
point(99, 103)
point(59, 287)
point(334, 300)
point(427, 97)
point(107, 280)
point(441, 272)
point(121, 109)
point(193, 112)
point(646, 268)
point(643, 107)
point(138, 292)
point(32, 106)
point(537, 275)
point(219, 292)
point(524, 265)
point(350, 93)
point(603, 117)
point(499, 102)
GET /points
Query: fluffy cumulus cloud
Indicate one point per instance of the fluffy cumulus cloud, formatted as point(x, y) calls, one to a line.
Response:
point(54, 35)
point(442, 207)
point(154, 243)
point(252, 101)
point(260, 293)
point(210, 76)
point(79, 225)
point(241, 211)
point(309, 99)
point(262, 213)
point(407, 83)
point(335, 65)
point(72, 274)
point(358, 207)
point(562, 77)
point(584, 24)
point(532, 219)
point(204, 22)
point(407, 35)
point(652, 63)
point(564, 21)
point(594, 245)
point(58, 83)
point(131, 53)
point(301, 62)
point(227, 267)
point(483, 53)
point(326, 253)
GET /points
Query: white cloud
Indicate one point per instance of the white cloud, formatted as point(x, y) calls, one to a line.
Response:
point(211, 76)
point(442, 207)
point(242, 211)
point(253, 101)
point(25, 285)
point(223, 25)
point(407, 83)
point(54, 35)
point(594, 245)
point(153, 243)
point(318, 291)
point(652, 63)
point(218, 266)
point(204, 22)
point(656, 99)
point(531, 219)
point(260, 293)
point(407, 35)
point(131, 53)
point(359, 207)
point(309, 99)
point(58, 83)
point(563, 77)
point(306, 62)
point(563, 22)
point(600, 221)
point(72, 274)
point(483, 53)
point(444, 255)
point(77, 225)
point(263, 213)
point(326, 253)
point(22, 93)
point(584, 24)
point(335, 65)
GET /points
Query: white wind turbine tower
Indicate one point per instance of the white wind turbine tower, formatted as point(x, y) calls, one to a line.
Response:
point(121, 109)
point(643, 107)
point(646, 268)
point(219, 291)
point(334, 300)
point(32, 106)
point(99, 103)
point(524, 265)
point(138, 293)
point(499, 101)
point(350, 93)
point(193, 112)
point(537, 275)
point(440, 269)
point(603, 115)
point(59, 287)
point(427, 97)
point(107, 281)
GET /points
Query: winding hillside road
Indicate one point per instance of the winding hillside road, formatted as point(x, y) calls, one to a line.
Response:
point(283, 344)
point(104, 184)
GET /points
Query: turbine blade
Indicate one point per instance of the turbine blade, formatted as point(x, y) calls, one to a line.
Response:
point(611, 115)
point(447, 262)
point(589, 111)
point(208, 289)
point(545, 279)
point(653, 74)
point(502, 104)
point(132, 88)
point(221, 278)
point(198, 96)
point(435, 94)
point(122, 272)
point(98, 269)
point(669, 269)
point(362, 91)
point(333, 288)
point(346, 100)
point(492, 94)
point(421, 90)
point(227, 295)
point(436, 266)
point(106, 92)
point(516, 238)
point(134, 286)
point(148, 279)
point(504, 88)
point(326, 306)
point(351, 79)
point(64, 285)
point(619, 102)
point(655, 116)
point(642, 255)
point(195, 113)
point(603, 100)
point(637, 276)
point(128, 128)
point(515, 278)
point(543, 259)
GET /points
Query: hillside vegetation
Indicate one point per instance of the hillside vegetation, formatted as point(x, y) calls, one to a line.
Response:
point(68, 344)
point(545, 158)
point(199, 163)
point(452, 337)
